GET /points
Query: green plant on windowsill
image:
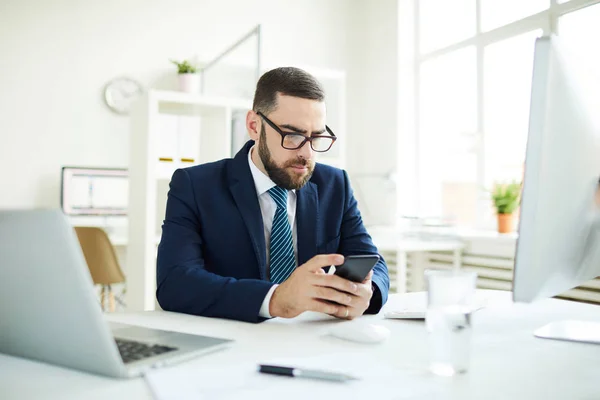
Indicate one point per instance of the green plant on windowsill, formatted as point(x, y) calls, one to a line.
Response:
point(506, 198)
point(185, 67)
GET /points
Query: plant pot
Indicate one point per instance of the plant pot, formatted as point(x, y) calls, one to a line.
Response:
point(506, 223)
point(189, 83)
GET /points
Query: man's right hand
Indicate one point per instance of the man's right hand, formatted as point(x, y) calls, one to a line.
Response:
point(309, 288)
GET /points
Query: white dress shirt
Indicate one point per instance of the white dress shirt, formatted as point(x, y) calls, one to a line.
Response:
point(267, 208)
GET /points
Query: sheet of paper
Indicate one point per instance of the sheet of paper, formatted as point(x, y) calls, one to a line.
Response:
point(417, 303)
point(244, 381)
point(185, 383)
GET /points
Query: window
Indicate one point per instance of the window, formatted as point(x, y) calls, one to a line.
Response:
point(507, 69)
point(474, 62)
point(447, 121)
point(496, 13)
point(455, 18)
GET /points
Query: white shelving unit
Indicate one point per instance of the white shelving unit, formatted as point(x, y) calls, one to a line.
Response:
point(169, 130)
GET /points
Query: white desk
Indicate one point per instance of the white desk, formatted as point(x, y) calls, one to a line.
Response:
point(401, 245)
point(507, 362)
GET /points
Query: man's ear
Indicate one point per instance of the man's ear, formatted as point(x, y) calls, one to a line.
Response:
point(253, 125)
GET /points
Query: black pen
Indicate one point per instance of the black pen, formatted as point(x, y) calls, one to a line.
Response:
point(304, 373)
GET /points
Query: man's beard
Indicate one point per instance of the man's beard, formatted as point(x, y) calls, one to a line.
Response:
point(280, 175)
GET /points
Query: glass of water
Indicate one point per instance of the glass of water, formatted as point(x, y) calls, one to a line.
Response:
point(450, 296)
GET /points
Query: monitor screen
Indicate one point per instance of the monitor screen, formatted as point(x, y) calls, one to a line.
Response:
point(559, 236)
point(94, 191)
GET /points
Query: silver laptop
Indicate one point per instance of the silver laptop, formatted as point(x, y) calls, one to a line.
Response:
point(49, 310)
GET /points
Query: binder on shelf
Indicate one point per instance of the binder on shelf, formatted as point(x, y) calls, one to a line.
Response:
point(189, 139)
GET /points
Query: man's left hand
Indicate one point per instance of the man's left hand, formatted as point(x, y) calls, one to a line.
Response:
point(359, 301)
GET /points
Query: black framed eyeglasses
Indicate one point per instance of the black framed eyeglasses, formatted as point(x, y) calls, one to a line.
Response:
point(293, 141)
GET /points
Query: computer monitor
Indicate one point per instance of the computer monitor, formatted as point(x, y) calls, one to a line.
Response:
point(94, 191)
point(559, 231)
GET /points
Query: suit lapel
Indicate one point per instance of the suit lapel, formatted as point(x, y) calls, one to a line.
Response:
point(244, 194)
point(307, 216)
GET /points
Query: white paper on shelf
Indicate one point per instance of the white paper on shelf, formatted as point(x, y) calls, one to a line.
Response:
point(166, 136)
point(189, 138)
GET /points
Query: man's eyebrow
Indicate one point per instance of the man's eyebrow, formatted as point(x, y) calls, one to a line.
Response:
point(298, 130)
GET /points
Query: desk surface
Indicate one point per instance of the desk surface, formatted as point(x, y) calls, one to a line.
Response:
point(507, 361)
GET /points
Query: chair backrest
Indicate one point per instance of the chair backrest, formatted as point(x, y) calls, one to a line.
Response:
point(99, 255)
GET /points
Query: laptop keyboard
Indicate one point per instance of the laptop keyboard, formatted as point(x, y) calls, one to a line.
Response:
point(133, 351)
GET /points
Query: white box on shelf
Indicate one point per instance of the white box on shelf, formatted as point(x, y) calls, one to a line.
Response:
point(166, 136)
point(165, 150)
point(189, 140)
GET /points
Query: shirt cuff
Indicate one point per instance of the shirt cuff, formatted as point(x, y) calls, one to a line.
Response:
point(376, 300)
point(264, 308)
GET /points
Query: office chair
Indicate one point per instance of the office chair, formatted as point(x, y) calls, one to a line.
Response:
point(102, 263)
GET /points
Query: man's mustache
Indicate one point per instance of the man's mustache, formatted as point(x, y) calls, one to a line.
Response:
point(300, 162)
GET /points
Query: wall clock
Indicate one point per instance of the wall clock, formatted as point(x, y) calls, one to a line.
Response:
point(120, 93)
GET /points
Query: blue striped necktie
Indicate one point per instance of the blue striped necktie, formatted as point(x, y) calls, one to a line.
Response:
point(282, 260)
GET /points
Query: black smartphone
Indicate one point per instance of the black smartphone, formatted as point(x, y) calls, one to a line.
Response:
point(356, 268)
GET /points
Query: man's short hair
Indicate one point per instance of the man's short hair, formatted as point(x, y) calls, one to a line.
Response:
point(289, 81)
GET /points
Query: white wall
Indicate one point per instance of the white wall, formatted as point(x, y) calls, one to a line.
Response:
point(373, 107)
point(55, 58)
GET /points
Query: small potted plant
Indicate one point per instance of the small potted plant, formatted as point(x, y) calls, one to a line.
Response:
point(189, 80)
point(506, 198)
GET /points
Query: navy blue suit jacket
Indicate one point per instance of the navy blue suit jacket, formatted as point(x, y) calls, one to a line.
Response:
point(212, 254)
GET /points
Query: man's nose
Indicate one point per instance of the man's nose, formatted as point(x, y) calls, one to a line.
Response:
point(305, 151)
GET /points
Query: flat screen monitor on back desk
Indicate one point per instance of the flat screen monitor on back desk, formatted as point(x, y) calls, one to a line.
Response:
point(559, 232)
point(97, 197)
point(94, 191)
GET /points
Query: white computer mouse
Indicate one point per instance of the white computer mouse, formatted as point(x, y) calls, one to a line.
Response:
point(360, 332)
